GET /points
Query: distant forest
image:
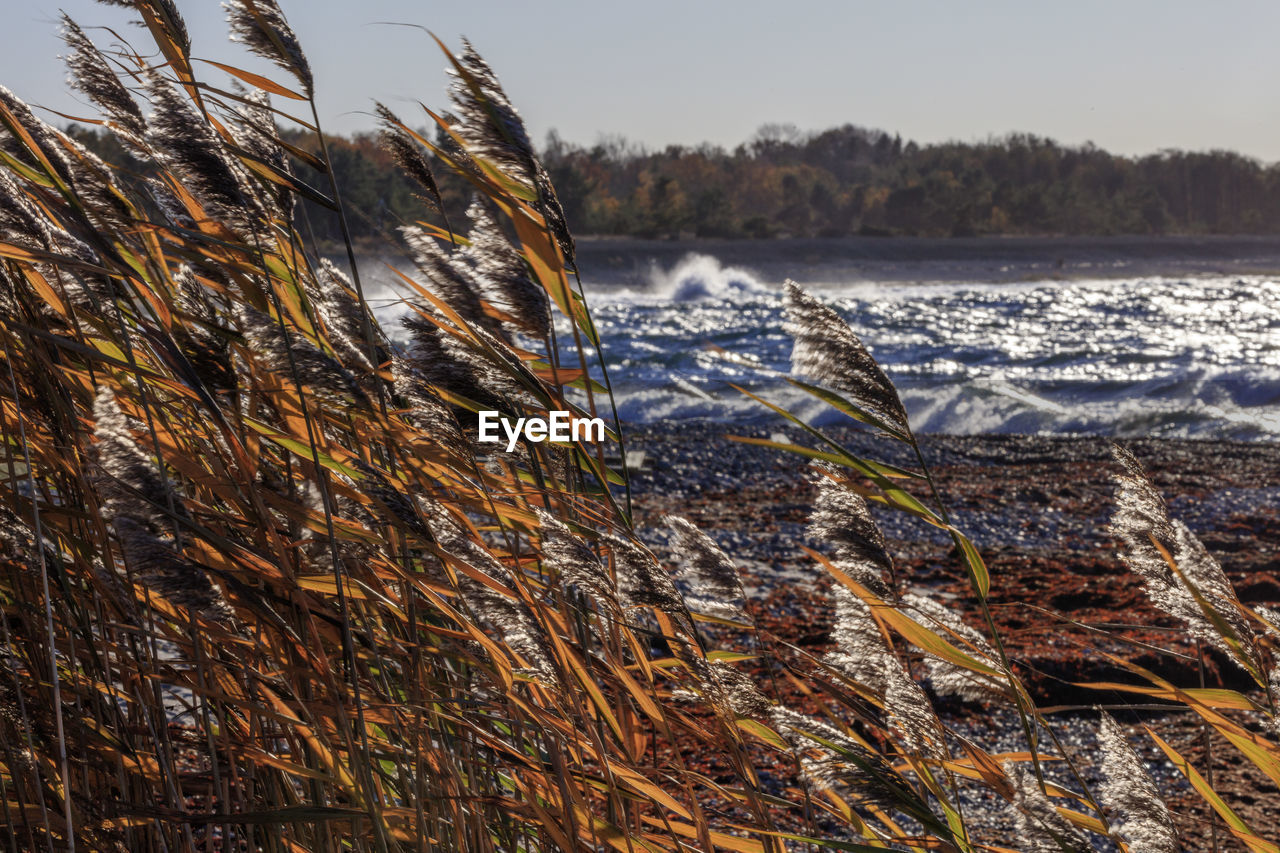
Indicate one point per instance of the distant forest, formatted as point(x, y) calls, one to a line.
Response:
point(844, 181)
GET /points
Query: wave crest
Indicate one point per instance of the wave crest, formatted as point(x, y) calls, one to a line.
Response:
point(698, 277)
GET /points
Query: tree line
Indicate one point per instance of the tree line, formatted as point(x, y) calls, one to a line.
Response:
point(838, 182)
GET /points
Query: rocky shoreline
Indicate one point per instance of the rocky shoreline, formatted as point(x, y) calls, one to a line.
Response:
point(1037, 507)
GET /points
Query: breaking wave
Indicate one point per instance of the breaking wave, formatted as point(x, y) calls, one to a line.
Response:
point(695, 278)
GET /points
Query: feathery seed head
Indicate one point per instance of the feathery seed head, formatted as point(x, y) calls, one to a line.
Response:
point(172, 210)
point(842, 520)
point(133, 492)
point(714, 583)
point(131, 483)
point(487, 121)
point(848, 768)
point(504, 275)
point(455, 282)
point(828, 352)
point(642, 581)
point(945, 677)
point(167, 573)
point(20, 220)
point(48, 142)
point(391, 503)
point(408, 155)
point(436, 361)
point(286, 352)
point(910, 714)
point(492, 129)
point(187, 145)
point(509, 617)
point(91, 74)
point(95, 184)
point(734, 693)
point(1141, 522)
point(344, 318)
point(1273, 694)
point(426, 410)
point(1040, 827)
point(860, 651)
point(553, 211)
point(168, 15)
point(208, 351)
point(256, 134)
point(573, 560)
point(260, 26)
point(1143, 818)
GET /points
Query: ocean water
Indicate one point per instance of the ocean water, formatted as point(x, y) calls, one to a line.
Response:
point(1145, 338)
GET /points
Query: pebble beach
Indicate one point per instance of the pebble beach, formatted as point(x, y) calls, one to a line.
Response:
point(1037, 507)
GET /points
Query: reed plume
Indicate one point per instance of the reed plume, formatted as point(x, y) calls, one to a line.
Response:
point(201, 338)
point(1152, 539)
point(832, 761)
point(510, 617)
point(20, 121)
point(134, 499)
point(288, 353)
point(641, 579)
point(842, 521)
point(102, 195)
point(492, 129)
point(715, 587)
point(425, 410)
point(172, 211)
point(184, 143)
point(946, 678)
point(132, 484)
point(573, 561)
point(505, 275)
point(21, 221)
point(453, 280)
point(1141, 817)
point(261, 27)
point(85, 174)
point(860, 651)
point(344, 318)
point(828, 352)
point(1040, 828)
point(257, 137)
point(164, 11)
point(434, 359)
point(487, 122)
point(91, 74)
point(909, 712)
point(729, 691)
point(408, 156)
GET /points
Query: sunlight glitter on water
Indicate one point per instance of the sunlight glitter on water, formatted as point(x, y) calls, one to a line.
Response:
point(1161, 356)
point(1195, 355)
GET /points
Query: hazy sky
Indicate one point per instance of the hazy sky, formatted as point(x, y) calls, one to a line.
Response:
point(1132, 77)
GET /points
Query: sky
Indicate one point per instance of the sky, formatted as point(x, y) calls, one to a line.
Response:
point(1131, 77)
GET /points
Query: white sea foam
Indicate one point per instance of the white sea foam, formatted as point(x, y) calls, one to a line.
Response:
point(696, 277)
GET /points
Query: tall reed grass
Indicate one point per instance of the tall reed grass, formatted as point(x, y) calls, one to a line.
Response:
point(262, 590)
